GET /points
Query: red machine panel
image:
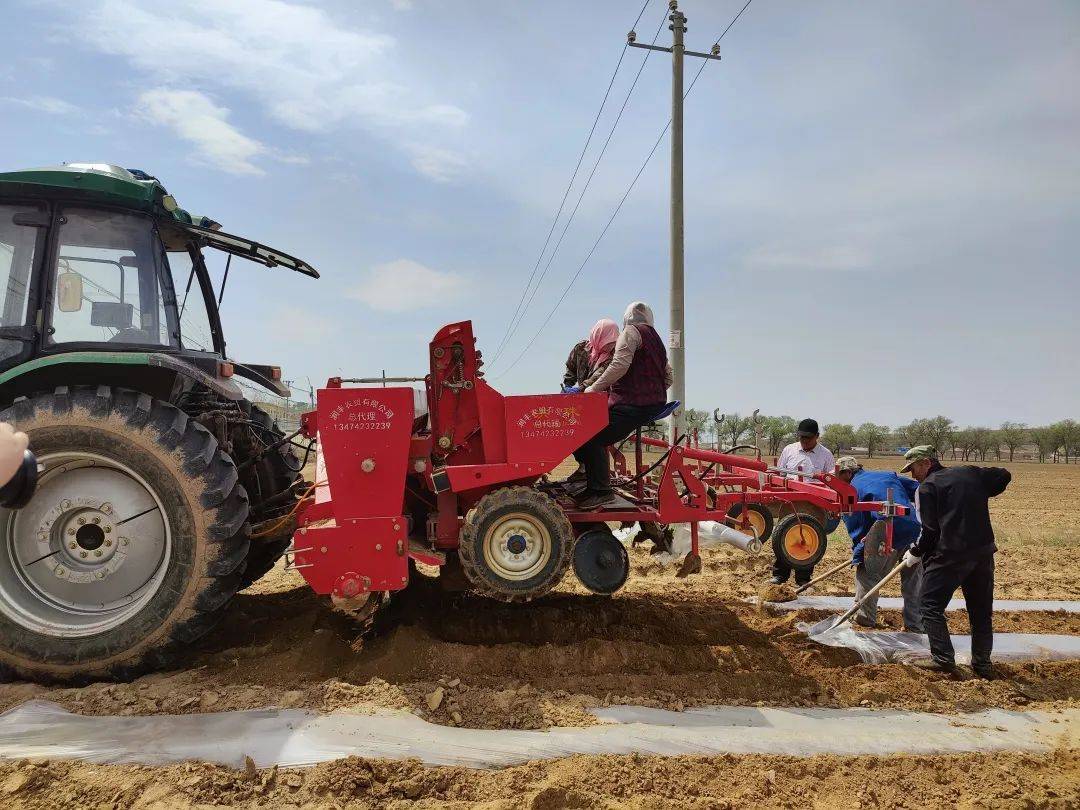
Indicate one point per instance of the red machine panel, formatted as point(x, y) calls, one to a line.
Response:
point(549, 427)
point(364, 437)
point(356, 556)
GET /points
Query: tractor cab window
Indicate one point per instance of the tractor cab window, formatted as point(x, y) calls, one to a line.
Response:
point(17, 244)
point(111, 284)
point(195, 329)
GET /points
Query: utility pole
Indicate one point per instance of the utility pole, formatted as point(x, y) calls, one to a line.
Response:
point(677, 339)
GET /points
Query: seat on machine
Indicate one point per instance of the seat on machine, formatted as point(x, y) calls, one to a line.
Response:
point(667, 410)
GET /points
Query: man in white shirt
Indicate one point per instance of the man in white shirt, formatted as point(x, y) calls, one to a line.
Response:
point(806, 455)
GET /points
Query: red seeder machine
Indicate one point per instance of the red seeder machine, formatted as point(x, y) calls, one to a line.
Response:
point(463, 483)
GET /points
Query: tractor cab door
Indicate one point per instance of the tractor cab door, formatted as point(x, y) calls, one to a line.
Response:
point(109, 283)
point(22, 239)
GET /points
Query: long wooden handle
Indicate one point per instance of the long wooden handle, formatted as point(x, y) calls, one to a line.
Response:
point(854, 608)
point(820, 577)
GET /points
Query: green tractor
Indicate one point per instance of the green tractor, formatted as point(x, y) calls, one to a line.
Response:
point(162, 489)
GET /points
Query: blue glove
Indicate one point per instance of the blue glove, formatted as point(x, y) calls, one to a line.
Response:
point(571, 389)
point(856, 553)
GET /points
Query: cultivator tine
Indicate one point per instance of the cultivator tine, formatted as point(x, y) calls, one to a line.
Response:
point(288, 554)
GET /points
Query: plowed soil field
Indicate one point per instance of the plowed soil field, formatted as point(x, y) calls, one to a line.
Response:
point(660, 641)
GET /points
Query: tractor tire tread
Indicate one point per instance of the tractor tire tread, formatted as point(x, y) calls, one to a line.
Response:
point(528, 499)
point(278, 470)
point(202, 576)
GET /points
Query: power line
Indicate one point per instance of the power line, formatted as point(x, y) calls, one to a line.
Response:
point(588, 182)
point(566, 194)
point(611, 219)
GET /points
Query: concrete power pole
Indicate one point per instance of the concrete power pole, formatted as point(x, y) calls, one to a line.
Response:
point(677, 339)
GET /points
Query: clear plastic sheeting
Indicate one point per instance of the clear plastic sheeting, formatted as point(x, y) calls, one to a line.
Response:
point(882, 646)
point(290, 737)
point(842, 603)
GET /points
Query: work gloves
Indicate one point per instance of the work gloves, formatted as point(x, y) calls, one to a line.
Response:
point(910, 560)
point(571, 389)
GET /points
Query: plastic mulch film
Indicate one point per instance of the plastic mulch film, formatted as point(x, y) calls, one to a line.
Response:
point(290, 737)
point(842, 603)
point(881, 646)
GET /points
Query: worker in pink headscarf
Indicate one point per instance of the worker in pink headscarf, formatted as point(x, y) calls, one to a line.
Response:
point(587, 361)
point(590, 357)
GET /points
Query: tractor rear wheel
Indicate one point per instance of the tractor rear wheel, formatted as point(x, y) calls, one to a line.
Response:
point(516, 544)
point(276, 472)
point(799, 540)
point(131, 547)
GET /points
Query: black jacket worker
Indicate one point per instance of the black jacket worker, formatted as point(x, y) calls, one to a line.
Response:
point(956, 549)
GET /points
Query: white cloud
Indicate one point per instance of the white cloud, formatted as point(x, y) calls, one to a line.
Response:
point(198, 120)
point(404, 285)
point(302, 326)
point(45, 104)
point(835, 257)
point(307, 70)
point(438, 164)
point(402, 5)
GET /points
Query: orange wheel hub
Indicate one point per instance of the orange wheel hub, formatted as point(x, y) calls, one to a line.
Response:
point(801, 542)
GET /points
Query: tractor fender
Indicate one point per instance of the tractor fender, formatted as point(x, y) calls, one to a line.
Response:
point(109, 368)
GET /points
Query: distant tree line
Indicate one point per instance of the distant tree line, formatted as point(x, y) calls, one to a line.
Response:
point(1057, 442)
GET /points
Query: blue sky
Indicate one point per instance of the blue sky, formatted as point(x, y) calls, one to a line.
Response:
point(883, 199)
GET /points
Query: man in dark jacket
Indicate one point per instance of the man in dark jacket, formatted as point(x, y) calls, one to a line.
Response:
point(956, 549)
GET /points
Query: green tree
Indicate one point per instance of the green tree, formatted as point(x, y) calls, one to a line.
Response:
point(838, 437)
point(872, 436)
point(778, 431)
point(936, 432)
point(698, 420)
point(984, 441)
point(973, 442)
point(964, 441)
point(733, 428)
point(1067, 432)
point(1013, 435)
point(1046, 441)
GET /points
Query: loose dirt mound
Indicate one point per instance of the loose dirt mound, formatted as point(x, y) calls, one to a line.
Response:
point(970, 780)
point(662, 642)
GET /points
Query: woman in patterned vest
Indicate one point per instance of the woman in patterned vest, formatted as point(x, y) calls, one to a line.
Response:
point(636, 381)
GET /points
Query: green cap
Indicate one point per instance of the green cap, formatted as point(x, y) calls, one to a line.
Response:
point(847, 464)
point(917, 453)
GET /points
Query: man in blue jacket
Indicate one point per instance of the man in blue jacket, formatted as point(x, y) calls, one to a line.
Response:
point(867, 531)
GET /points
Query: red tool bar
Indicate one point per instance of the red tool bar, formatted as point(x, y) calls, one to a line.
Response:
point(710, 456)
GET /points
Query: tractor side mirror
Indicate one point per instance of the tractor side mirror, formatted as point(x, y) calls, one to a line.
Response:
point(69, 292)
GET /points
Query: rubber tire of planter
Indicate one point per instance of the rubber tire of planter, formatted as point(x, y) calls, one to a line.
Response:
point(275, 472)
point(757, 509)
point(497, 509)
point(813, 542)
point(207, 510)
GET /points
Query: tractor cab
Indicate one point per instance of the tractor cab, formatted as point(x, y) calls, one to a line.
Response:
point(95, 258)
point(163, 489)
